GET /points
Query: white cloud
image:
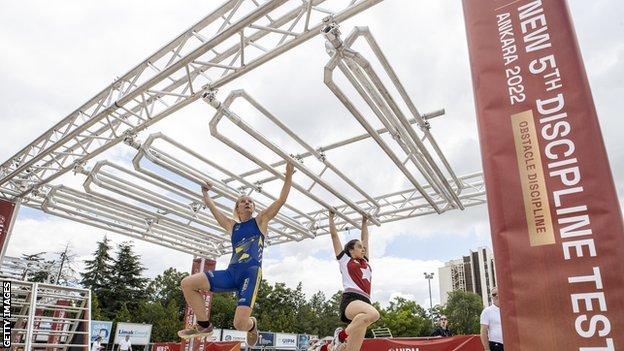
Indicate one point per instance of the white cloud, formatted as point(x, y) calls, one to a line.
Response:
point(392, 276)
point(51, 234)
point(78, 47)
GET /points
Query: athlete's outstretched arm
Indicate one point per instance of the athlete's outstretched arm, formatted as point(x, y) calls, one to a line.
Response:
point(224, 221)
point(334, 234)
point(270, 212)
point(364, 237)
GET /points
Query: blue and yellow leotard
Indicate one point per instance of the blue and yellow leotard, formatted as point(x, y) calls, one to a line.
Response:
point(244, 272)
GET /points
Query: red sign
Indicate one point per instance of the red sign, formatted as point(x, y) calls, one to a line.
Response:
point(189, 318)
point(7, 214)
point(207, 345)
point(58, 323)
point(222, 346)
point(455, 343)
point(166, 346)
point(556, 223)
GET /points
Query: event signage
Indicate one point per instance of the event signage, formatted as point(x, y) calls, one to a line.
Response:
point(57, 325)
point(555, 218)
point(303, 341)
point(102, 329)
point(139, 333)
point(216, 335)
point(286, 341)
point(266, 339)
point(235, 335)
point(166, 346)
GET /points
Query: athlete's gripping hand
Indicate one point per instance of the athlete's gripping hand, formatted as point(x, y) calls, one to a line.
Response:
point(205, 188)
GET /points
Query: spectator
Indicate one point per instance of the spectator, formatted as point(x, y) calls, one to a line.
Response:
point(442, 328)
point(491, 328)
point(125, 345)
point(97, 344)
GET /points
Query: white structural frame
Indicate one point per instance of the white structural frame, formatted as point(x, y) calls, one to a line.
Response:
point(360, 73)
point(172, 214)
point(30, 300)
point(289, 228)
point(237, 37)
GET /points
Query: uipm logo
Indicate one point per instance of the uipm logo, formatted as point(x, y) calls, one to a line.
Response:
point(403, 349)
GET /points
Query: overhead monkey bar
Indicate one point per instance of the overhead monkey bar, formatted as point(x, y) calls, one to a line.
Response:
point(282, 229)
point(160, 201)
point(377, 97)
point(223, 111)
point(238, 36)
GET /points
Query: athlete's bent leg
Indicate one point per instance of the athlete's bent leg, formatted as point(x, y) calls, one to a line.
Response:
point(249, 283)
point(191, 287)
point(361, 315)
point(242, 320)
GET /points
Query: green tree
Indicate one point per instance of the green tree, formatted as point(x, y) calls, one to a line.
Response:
point(98, 275)
point(276, 307)
point(330, 316)
point(32, 272)
point(436, 312)
point(96, 311)
point(222, 310)
point(164, 320)
point(463, 310)
point(404, 318)
point(166, 288)
point(123, 314)
point(127, 284)
point(42, 273)
point(316, 307)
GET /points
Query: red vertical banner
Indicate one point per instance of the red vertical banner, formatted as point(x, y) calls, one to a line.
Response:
point(8, 211)
point(189, 316)
point(556, 223)
point(58, 325)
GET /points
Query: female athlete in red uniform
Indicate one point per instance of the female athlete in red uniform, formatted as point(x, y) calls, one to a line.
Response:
point(356, 308)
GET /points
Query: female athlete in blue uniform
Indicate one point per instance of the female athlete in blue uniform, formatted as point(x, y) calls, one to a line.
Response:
point(244, 272)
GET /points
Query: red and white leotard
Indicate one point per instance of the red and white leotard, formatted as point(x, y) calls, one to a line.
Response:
point(356, 274)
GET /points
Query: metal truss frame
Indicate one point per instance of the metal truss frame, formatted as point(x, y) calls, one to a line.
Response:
point(234, 39)
point(115, 215)
point(288, 228)
point(29, 304)
point(370, 208)
point(408, 203)
point(419, 150)
point(147, 204)
point(17, 268)
point(158, 200)
point(458, 276)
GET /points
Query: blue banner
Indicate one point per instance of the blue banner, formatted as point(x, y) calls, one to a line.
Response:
point(266, 339)
point(101, 328)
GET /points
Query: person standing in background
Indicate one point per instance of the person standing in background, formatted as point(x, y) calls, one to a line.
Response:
point(491, 327)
